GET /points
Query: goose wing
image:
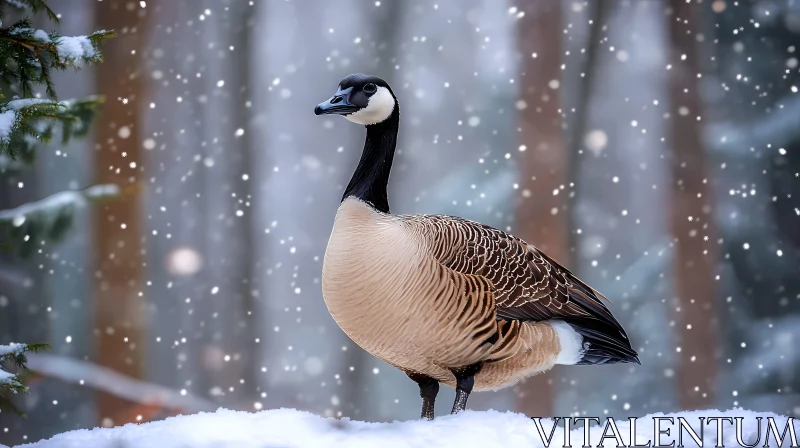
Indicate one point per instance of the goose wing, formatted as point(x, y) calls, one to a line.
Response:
point(526, 284)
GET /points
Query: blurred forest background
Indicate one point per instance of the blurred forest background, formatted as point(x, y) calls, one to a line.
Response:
point(651, 146)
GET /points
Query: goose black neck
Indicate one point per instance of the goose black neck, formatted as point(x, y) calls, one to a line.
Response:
point(371, 177)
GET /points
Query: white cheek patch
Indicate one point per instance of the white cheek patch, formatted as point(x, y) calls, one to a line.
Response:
point(379, 107)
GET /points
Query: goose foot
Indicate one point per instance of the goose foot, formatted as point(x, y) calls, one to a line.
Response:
point(465, 380)
point(428, 389)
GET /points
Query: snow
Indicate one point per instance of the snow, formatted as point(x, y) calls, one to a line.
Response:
point(7, 378)
point(57, 202)
point(21, 103)
point(41, 35)
point(9, 116)
point(13, 348)
point(289, 427)
point(7, 121)
point(70, 49)
point(74, 48)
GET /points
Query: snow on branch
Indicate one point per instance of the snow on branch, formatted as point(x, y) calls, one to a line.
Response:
point(50, 217)
point(13, 112)
point(101, 378)
point(28, 56)
point(14, 356)
point(35, 52)
point(25, 121)
point(11, 352)
point(52, 204)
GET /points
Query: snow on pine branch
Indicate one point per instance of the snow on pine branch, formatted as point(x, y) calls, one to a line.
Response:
point(74, 50)
point(66, 51)
point(52, 205)
point(35, 52)
point(48, 218)
point(289, 427)
point(13, 112)
point(14, 354)
point(9, 381)
point(28, 56)
point(25, 121)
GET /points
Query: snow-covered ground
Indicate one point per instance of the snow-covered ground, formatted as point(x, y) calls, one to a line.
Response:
point(292, 428)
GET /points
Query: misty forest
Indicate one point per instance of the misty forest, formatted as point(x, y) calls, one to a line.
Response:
point(170, 251)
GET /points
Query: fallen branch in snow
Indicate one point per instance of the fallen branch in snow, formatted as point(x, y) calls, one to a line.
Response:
point(104, 379)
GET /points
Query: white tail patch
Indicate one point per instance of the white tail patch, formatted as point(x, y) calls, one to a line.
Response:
point(571, 343)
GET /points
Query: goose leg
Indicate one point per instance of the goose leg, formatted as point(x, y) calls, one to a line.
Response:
point(465, 380)
point(428, 389)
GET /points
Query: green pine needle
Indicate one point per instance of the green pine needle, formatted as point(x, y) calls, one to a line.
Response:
point(29, 56)
point(16, 359)
point(48, 218)
point(31, 113)
point(36, 6)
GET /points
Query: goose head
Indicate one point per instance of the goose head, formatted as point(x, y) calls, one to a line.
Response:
point(361, 99)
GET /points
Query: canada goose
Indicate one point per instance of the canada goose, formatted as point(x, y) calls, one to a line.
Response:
point(444, 299)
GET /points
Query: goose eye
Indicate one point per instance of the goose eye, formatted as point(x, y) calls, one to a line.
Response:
point(370, 88)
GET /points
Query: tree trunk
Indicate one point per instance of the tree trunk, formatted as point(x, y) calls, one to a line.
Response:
point(248, 259)
point(600, 12)
point(118, 307)
point(542, 219)
point(692, 220)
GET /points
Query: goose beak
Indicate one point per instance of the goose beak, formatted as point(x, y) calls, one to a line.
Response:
point(338, 104)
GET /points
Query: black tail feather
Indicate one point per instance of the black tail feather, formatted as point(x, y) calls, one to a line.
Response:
point(604, 339)
point(604, 343)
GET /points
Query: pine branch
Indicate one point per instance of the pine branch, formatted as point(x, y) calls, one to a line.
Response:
point(32, 53)
point(35, 6)
point(29, 55)
point(48, 219)
point(23, 123)
point(76, 117)
point(15, 356)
